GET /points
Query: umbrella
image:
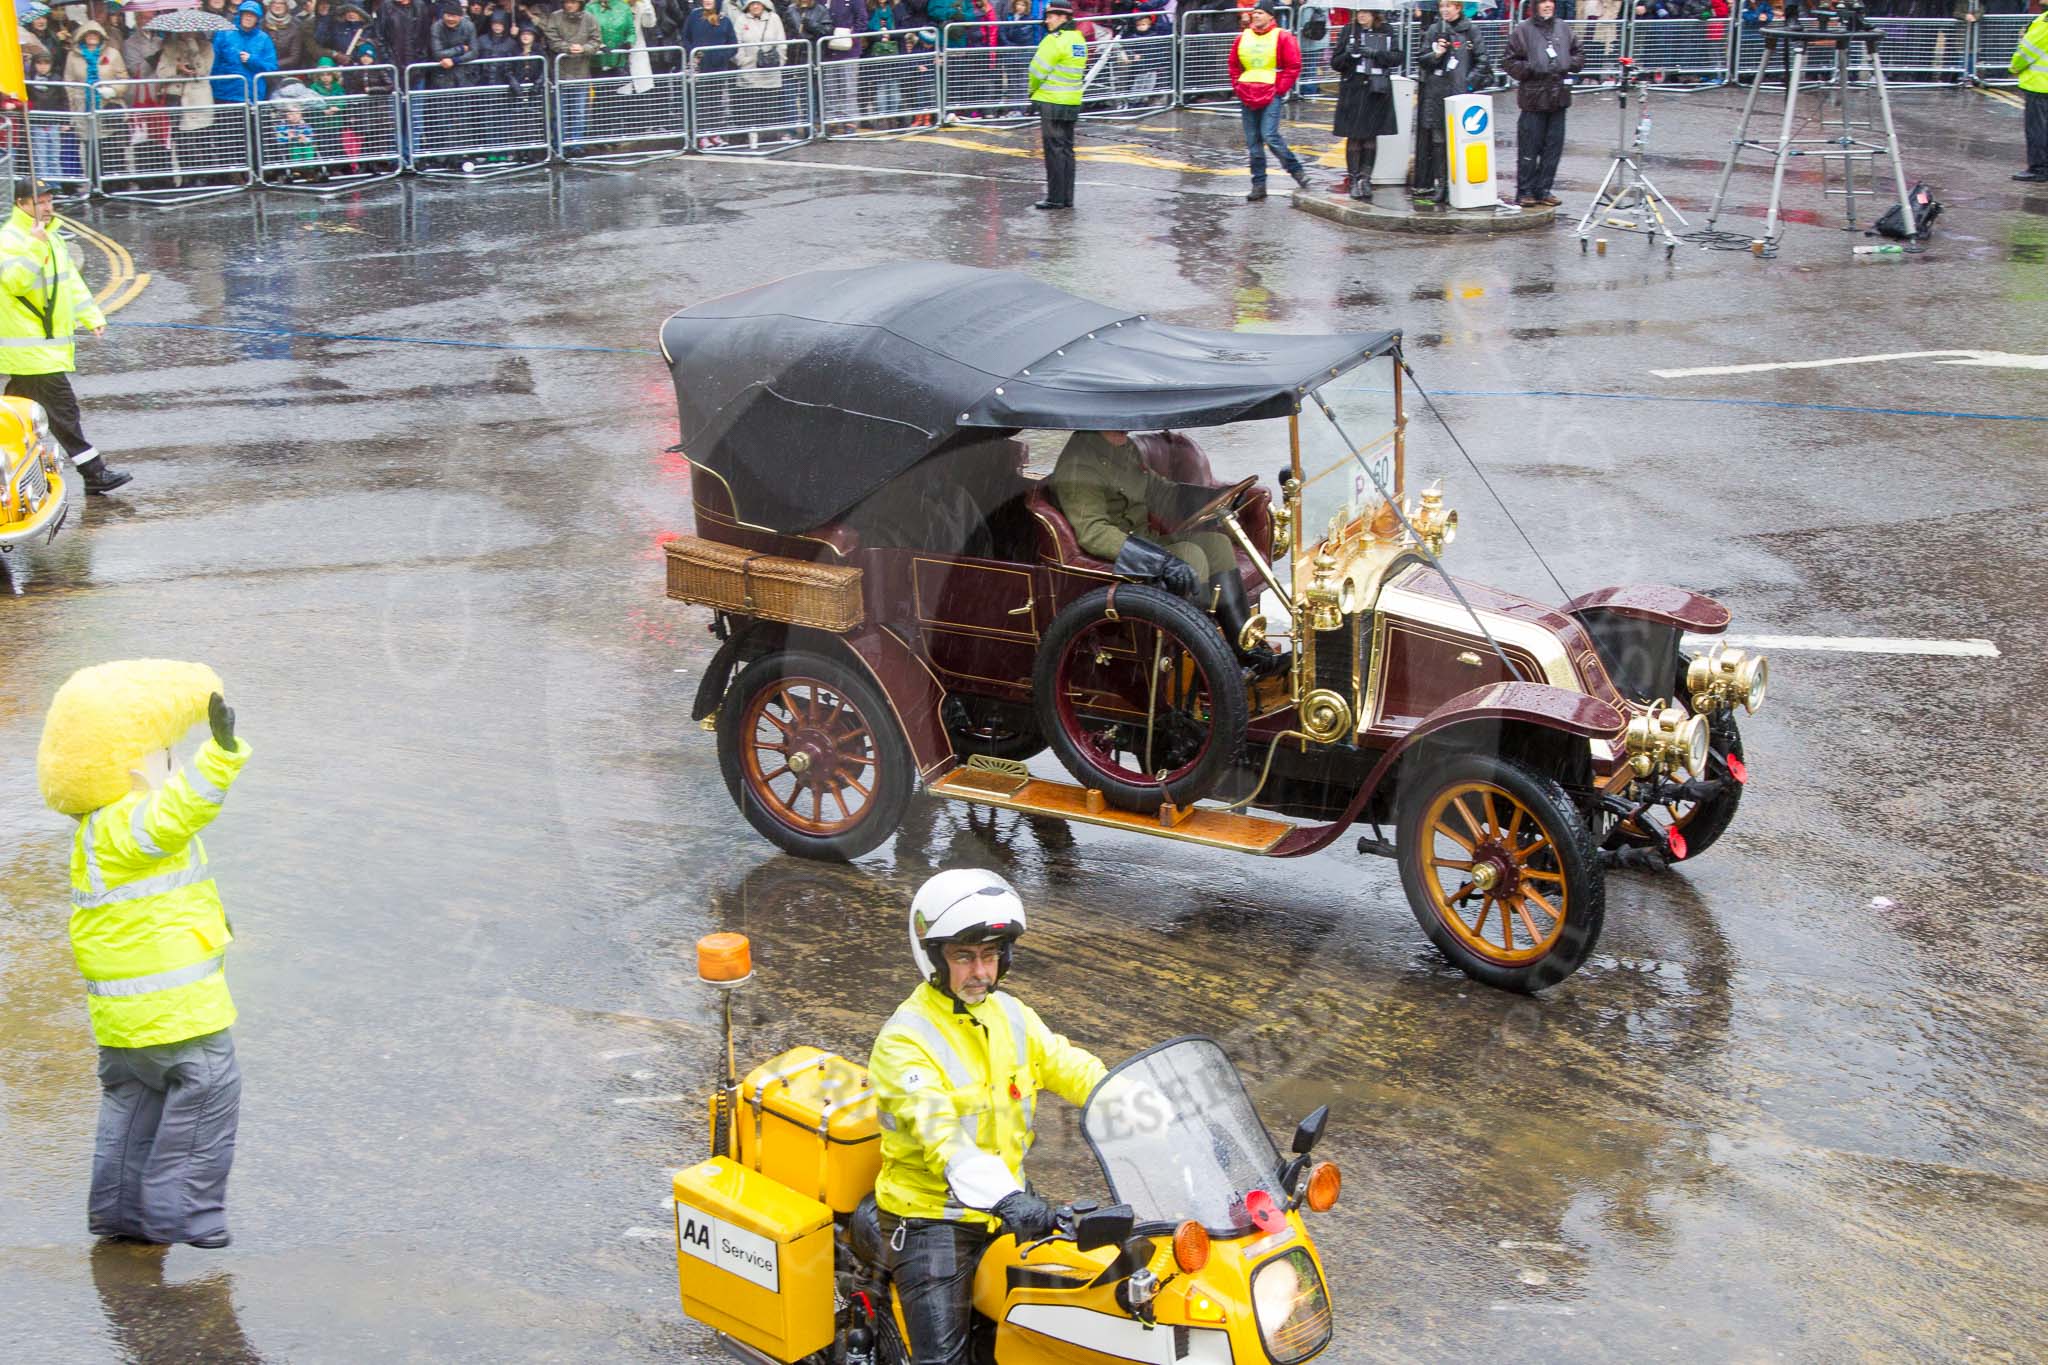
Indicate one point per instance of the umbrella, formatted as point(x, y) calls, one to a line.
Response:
point(186, 21)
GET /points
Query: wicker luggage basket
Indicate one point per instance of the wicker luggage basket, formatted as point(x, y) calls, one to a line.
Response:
point(766, 586)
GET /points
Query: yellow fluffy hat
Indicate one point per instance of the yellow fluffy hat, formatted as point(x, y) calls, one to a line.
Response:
point(105, 718)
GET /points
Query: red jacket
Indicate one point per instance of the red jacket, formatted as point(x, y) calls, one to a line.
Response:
point(1288, 56)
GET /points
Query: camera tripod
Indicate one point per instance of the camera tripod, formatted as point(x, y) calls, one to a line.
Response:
point(1627, 201)
point(1794, 42)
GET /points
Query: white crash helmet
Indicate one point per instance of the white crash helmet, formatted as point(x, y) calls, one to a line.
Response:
point(963, 905)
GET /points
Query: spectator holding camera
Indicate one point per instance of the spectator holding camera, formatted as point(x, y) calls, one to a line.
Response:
point(1543, 55)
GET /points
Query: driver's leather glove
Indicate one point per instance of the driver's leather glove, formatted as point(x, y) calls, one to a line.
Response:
point(1025, 1215)
point(220, 718)
point(1143, 562)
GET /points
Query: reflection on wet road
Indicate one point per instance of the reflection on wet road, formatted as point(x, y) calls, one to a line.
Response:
point(1792, 1108)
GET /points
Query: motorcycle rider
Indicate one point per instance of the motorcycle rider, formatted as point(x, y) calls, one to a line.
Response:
point(957, 1071)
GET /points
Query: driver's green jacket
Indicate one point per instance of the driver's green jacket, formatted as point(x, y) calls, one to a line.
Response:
point(1107, 495)
point(956, 1088)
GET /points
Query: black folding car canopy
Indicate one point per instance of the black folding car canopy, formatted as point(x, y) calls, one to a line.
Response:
point(809, 394)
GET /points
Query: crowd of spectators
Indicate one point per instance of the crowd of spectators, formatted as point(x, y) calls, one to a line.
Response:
point(85, 57)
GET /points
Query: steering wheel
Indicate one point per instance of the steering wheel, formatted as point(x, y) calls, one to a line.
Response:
point(1215, 507)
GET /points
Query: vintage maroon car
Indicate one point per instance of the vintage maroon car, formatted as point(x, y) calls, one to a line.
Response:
point(902, 605)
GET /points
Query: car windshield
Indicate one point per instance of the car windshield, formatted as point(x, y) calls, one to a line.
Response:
point(1178, 1138)
point(1336, 489)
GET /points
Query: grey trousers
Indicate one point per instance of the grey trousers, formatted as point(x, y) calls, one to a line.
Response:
point(166, 1140)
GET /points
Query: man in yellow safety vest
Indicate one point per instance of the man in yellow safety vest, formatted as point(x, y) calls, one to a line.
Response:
point(42, 302)
point(1059, 70)
point(957, 1071)
point(2030, 64)
point(150, 938)
point(1264, 64)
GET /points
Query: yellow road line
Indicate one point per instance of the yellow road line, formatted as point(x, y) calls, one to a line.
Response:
point(123, 284)
point(2014, 100)
point(1118, 154)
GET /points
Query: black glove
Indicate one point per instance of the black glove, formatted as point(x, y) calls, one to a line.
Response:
point(1025, 1215)
point(221, 718)
point(1143, 562)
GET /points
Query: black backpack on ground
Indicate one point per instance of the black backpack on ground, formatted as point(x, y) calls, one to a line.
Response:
point(1925, 210)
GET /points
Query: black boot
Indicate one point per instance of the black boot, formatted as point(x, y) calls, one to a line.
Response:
point(1232, 611)
point(100, 477)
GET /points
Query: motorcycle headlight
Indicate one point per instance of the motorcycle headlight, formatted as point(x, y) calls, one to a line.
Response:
point(1291, 1306)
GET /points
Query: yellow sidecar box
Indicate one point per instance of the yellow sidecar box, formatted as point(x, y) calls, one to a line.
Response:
point(807, 1119)
point(754, 1258)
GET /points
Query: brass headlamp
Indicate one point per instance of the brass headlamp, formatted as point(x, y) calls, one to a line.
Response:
point(1724, 676)
point(1435, 523)
point(1667, 739)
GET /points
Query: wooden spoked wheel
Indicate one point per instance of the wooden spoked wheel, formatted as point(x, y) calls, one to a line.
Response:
point(1493, 873)
point(1500, 868)
point(813, 756)
point(809, 755)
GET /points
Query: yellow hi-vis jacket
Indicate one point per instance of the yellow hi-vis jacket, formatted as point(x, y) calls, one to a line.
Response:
point(146, 919)
point(957, 1089)
point(1059, 68)
point(2030, 58)
point(42, 300)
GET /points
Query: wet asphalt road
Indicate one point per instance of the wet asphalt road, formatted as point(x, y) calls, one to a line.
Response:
point(1792, 1110)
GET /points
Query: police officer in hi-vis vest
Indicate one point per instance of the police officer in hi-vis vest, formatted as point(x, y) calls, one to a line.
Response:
point(151, 940)
point(1059, 68)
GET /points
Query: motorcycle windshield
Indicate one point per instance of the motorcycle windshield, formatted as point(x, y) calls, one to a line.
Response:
point(1177, 1138)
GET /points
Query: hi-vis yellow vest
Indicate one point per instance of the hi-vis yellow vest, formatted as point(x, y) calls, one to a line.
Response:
point(42, 300)
point(1258, 54)
point(146, 920)
point(2030, 59)
point(956, 1091)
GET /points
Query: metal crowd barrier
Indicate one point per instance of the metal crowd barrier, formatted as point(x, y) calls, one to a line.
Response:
point(500, 115)
point(61, 145)
point(988, 81)
point(616, 118)
point(484, 118)
point(882, 94)
point(752, 107)
point(145, 152)
point(1133, 76)
point(1997, 38)
point(1692, 49)
point(309, 137)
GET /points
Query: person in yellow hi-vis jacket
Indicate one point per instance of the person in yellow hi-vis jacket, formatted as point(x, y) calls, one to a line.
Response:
point(1057, 77)
point(2030, 63)
point(151, 939)
point(957, 1071)
point(42, 304)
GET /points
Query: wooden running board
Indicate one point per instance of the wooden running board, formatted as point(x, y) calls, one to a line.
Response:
point(1011, 788)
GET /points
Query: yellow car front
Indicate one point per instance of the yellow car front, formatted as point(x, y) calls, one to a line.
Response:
point(31, 476)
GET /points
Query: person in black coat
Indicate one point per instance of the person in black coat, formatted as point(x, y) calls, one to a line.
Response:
point(1364, 53)
point(1543, 54)
point(1449, 61)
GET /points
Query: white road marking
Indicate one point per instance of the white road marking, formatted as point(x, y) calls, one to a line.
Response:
point(775, 163)
point(652, 1099)
point(2003, 360)
point(652, 1234)
point(1853, 644)
point(1532, 1246)
point(619, 1052)
point(1548, 1310)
